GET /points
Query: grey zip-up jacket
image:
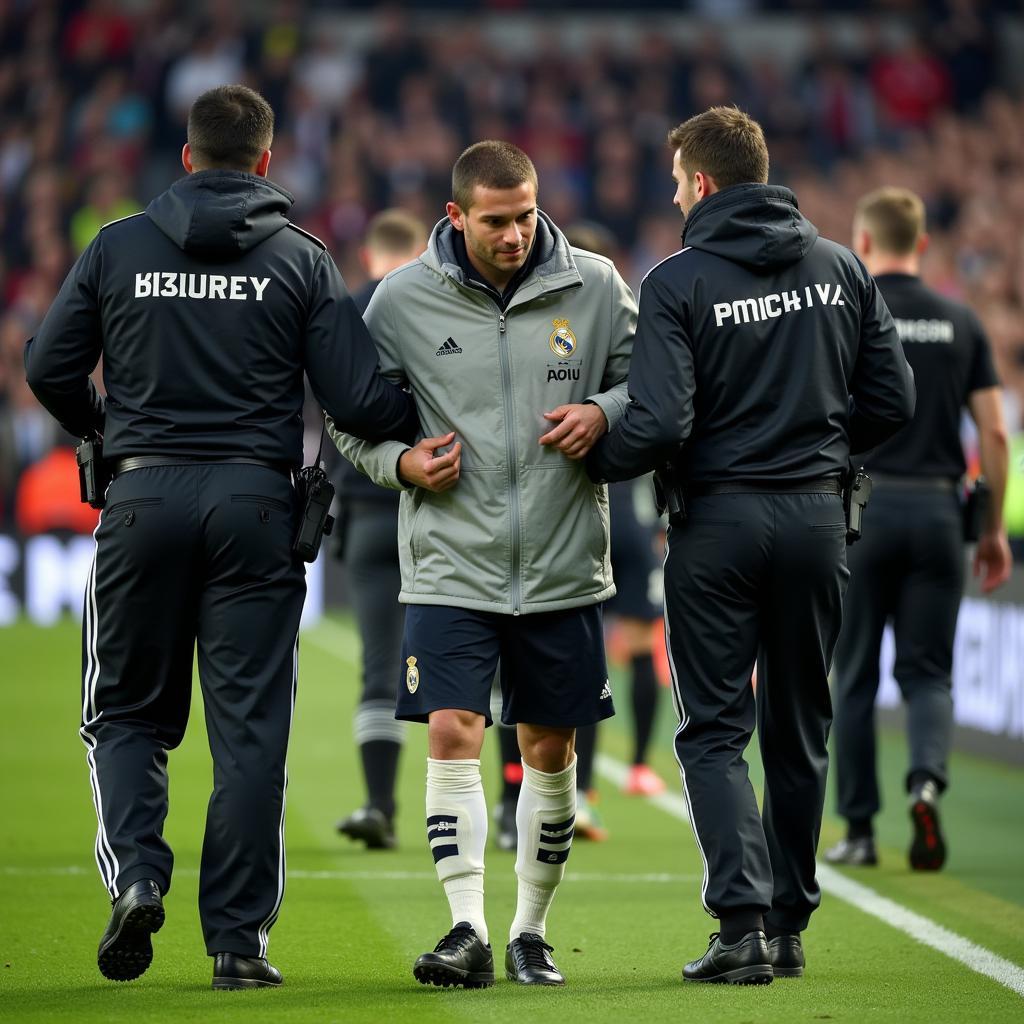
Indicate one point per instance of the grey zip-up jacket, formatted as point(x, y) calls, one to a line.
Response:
point(524, 530)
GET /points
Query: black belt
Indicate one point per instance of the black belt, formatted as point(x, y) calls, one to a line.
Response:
point(821, 485)
point(915, 483)
point(131, 462)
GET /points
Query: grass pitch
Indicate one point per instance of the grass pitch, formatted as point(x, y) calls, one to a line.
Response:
point(352, 922)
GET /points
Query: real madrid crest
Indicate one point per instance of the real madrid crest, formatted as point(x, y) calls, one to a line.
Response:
point(412, 675)
point(562, 340)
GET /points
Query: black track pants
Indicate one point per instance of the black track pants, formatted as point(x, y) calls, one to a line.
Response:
point(195, 557)
point(756, 577)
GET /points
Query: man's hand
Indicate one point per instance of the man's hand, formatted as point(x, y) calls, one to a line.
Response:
point(419, 466)
point(578, 428)
point(992, 560)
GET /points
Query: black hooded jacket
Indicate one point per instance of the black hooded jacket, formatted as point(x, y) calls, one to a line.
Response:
point(764, 351)
point(207, 309)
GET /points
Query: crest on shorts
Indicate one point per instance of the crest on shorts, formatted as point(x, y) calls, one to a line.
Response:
point(412, 675)
point(561, 340)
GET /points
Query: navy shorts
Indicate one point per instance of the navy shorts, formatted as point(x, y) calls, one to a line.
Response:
point(552, 665)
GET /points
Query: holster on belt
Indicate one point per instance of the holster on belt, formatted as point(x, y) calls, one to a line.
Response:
point(94, 472)
point(668, 494)
point(856, 494)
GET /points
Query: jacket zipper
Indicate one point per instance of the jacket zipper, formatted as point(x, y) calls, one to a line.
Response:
point(512, 456)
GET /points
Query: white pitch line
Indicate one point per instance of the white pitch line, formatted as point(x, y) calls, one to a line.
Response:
point(917, 926)
point(651, 878)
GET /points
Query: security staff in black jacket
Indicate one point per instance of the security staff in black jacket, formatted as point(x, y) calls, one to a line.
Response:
point(910, 568)
point(763, 357)
point(206, 309)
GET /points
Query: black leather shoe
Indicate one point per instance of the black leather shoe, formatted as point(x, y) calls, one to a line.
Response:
point(854, 852)
point(231, 971)
point(527, 962)
point(928, 846)
point(371, 826)
point(746, 962)
point(787, 956)
point(460, 958)
point(126, 949)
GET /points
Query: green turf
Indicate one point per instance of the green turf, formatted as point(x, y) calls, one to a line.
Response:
point(352, 922)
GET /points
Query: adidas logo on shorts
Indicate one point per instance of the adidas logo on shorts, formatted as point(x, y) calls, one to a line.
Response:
point(606, 691)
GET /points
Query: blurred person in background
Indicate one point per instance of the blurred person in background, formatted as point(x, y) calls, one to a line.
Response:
point(368, 546)
point(635, 609)
point(908, 569)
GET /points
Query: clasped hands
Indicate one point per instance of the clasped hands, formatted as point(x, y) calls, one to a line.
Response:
point(575, 430)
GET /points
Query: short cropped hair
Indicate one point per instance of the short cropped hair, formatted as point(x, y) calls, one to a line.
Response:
point(894, 218)
point(395, 232)
point(492, 164)
point(725, 144)
point(229, 127)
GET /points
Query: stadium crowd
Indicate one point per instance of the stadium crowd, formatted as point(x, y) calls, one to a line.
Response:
point(93, 98)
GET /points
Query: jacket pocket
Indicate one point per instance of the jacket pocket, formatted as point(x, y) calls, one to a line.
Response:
point(415, 539)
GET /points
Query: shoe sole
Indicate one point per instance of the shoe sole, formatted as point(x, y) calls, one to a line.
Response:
point(928, 847)
point(756, 975)
point(237, 984)
point(127, 954)
point(510, 975)
point(787, 972)
point(451, 977)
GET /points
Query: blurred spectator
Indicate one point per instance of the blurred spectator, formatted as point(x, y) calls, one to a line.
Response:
point(106, 200)
point(911, 85)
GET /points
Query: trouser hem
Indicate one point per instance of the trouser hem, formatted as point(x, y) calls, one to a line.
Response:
point(141, 871)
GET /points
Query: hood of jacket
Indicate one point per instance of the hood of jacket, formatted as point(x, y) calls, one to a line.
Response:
point(758, 226)
point(220, 213)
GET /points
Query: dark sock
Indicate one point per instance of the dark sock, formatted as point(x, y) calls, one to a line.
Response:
point(738, 923)
point(773, 933)
point(380, 767)
point(860, 828)
point(586, 745)
point(645, 704)
point(511, 764)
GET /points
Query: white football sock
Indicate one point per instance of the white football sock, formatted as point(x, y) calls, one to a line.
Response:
point(545, 817)
point(457, 833)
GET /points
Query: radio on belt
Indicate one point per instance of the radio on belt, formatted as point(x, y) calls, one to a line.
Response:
point(317, 493)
